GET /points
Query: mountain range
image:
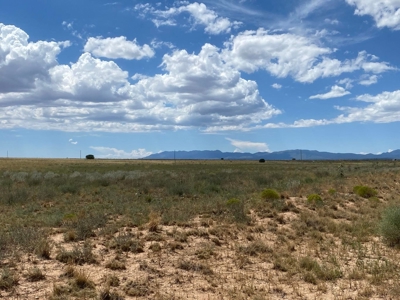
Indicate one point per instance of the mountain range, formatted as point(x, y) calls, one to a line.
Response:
point(279, 155)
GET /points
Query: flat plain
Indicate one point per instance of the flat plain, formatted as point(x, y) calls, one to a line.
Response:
point(138, 229)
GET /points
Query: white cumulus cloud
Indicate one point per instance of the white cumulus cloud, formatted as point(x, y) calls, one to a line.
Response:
point(386, 13)
point(368, 80)
point(292, 55)
point(335, 92)
point(23, 62)
point(245, 146)
point(200, 15)
point(277, 86)
point(108, 152)
point(96, 95)
point(118, 47)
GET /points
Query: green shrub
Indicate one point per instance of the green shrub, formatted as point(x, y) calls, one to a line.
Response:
point(364, 191)
point(69, 188)
point(236, 207)
point(270, 194)
point(389, 226)
point(8, 279)
point(331, 192)
point(314, 199)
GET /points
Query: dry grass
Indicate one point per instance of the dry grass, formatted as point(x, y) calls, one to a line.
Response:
point(77, 229)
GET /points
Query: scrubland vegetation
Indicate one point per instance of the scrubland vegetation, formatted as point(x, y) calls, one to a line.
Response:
point(93, 229)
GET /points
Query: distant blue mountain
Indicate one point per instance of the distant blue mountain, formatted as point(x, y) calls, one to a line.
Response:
point(280, 155)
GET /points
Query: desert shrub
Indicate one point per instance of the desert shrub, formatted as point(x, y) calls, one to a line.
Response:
point(236, 207)
point(82, 280)
point(35, 179)
point(389, 226)
point(314, 199)
point(50, 175)
point(322, 272)
point(35, 274)
point(255, 248)
point(114, 176)
point(126, 242)
point(364, 191)
point(83, 226)
point(179, 190)
point(26, 238)
point(138, 288)
point(19, 176)
point(106, 294)
point(43, 248)
point(116, 265)
point(193, 266)
point(78, 255)
point(75, 174)
point(270, 194)
point(8, 279)
point(70, 188)
point(17, 196)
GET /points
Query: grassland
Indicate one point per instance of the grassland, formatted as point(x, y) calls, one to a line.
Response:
point(103, 229)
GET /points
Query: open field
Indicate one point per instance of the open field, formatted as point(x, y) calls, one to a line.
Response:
point(104, 229)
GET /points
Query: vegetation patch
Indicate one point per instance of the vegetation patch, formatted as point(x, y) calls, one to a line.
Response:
point(314, 199)
point(389, 226)
point(270, 194)
point(364, 191)
point(8, 279)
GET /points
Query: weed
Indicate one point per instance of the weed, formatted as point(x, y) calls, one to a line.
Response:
point(106, 294)
point(60, 292)
point(364, 191)
point(125, 242)
point(116, 264)
point(138, 288)
point(154, 221)
point(8, 279)
point(69, 188)
point(389, 226)
point(255, 248)
point(310, 278)
point(236, 207)
point(82, 280)
point(314, 199)
point(43, 248)
point(175, 246)
point(270, 194)
point(112, 280)
point(35, 274)
point(205, 252)
point(156, 247)
point(196, 267)
point(331, 192)
point(78, 255)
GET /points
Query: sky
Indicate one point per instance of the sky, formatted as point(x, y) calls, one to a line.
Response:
point(126, 79)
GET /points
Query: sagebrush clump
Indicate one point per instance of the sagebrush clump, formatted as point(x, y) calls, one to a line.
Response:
point(314, 199)
point(389, 227)
point(270, 194)
point(364, 191)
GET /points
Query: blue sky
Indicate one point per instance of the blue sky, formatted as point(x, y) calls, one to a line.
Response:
point(126, 79)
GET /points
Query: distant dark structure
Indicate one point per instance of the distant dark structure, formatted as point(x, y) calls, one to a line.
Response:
point(90, 156)
point(262, 160)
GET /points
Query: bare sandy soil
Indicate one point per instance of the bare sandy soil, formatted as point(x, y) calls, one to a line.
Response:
point(206, 260)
